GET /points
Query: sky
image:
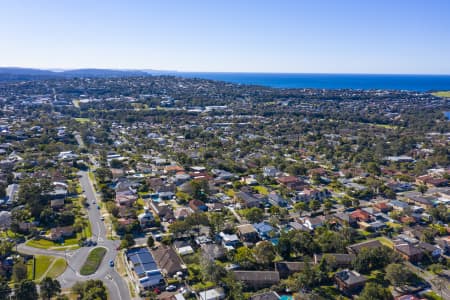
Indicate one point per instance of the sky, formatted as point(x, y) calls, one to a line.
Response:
point(298, 36)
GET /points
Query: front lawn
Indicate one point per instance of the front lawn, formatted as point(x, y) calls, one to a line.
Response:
point(385, 241)
point(71, 243)
point(261, 189)
point(93, 261)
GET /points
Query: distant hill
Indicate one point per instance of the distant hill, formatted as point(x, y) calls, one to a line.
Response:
point(102, 73)
point(15, 74)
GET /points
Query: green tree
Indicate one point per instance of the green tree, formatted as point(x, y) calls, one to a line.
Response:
point(375, 291)
point(26, 289)
point(5, 248)
point(49, 287)
point(398, 274)
point(5, 290)
point(128, 241)
point(265, 253)
point(254, 215)
point(150, 241)
point(369, 259)
point(90, 290)
point(234, 288)
point(284, 245)
point(244, 257)
point(422, 188)
point(217, 221)
point(373, 168)
point(300, 207)
point(314, 205)
point(19, 271)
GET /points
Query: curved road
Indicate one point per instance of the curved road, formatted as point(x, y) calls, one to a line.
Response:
point(117, 287)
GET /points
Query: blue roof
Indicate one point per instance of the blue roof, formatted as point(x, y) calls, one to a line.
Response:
point(263, 227)
point(143, 262)
point(399, 203)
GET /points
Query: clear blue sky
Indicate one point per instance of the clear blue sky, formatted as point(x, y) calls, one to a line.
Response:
point(319, 36)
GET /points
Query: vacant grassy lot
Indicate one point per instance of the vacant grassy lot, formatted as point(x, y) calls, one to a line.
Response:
point(83, 120)
point(42, 264)
point(93, 261)
point(45, 266)
point(443, 94)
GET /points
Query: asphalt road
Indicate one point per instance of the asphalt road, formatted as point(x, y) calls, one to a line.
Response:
point(117, 287)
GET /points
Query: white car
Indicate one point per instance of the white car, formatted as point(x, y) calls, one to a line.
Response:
point(171, 288)
point(102, 218)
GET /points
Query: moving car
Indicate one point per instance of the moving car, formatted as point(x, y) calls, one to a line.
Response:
point(111, 263)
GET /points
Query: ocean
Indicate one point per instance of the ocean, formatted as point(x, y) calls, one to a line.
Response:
point(420, 83)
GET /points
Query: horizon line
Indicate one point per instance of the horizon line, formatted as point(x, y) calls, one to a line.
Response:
point(148, 70)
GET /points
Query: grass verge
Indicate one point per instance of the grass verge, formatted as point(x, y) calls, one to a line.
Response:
point(58, 267)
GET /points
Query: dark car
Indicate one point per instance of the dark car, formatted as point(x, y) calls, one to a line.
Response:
point(98, 206)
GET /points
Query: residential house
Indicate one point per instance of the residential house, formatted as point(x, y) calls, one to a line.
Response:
point(340, 260)
point(398, 205)
point(145, 269)
point(229, 241)
point(125, 198)
point(247, 233)
point(181, 213)
point(247, 200)
point(345, 219)
point(270, 171)
point(168, 260)
point(212, 294)
point(291, 182)
point(350, 281)
point(57, 204)
point(431, 250)
point(361, 216)
point(287, 268)
point(356, 248)
point(296, 226)
point(275, 199)
point(309, 194)
point(419, 200)
point(146, 218)
point(183, 247)
point(408, 251)
point(265, 230)
point(431, 181)
point(257, 279)
point(58, 233)
point(198, 206)
point(382, 207)
point(313, 222)
point(5, 219)
point(213, 251)
point(163, 211)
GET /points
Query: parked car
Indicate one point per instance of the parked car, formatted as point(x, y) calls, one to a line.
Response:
point(171, 288)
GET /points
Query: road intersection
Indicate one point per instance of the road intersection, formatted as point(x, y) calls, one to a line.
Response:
point(116, 285)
